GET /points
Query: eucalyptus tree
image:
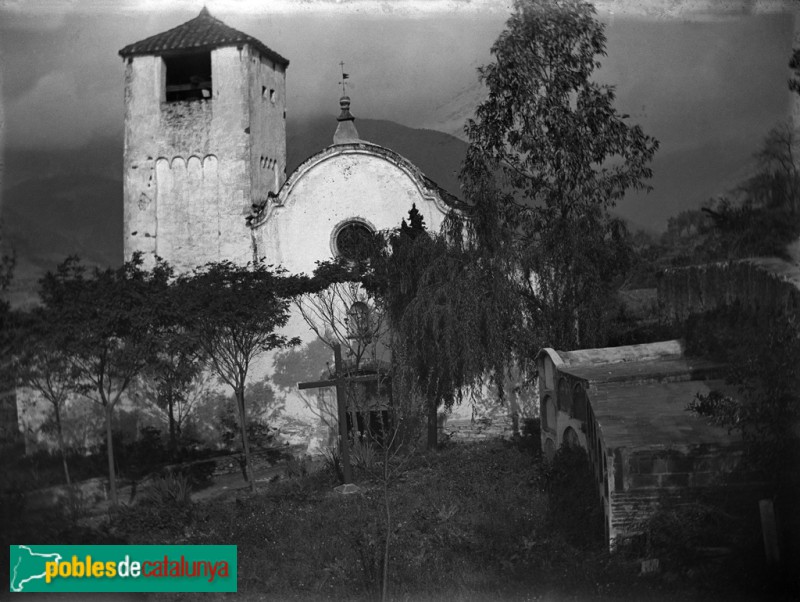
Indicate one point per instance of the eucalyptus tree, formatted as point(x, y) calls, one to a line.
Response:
point(549, 155)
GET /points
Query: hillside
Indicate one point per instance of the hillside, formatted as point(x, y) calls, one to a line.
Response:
point(69, 202)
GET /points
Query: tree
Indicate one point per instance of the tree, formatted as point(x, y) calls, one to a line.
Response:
point(344, 313)
point(7, 263)
point(449, 327)
point(106, 325)
point(172, 372)
point(760, 216)
point(40, 364)
point(233, 312)
point(760, 349)
point(794, 65)
point(549, 156)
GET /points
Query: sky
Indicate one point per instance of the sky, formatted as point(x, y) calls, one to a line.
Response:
point(707, 78)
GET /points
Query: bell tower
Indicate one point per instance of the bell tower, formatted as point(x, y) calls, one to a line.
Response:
point(205, 138)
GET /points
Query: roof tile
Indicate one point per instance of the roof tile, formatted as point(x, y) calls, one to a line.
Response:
point(202, 32)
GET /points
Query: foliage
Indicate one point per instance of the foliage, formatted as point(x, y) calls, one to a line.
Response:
point(744, 229)
point(761, 349)
point(41, 365)
point(449, 326)
point(722, 409)
point(363, 455)
point(215, 417)
point(258, 430)
point(470, 522)
point(529, 438)
point(44, 469)
point(758, 217)
point(170, 489)
point(106, 326)
point(296, 467)
point(7, 264)
point(234, 313)
point(794, 65)
point(679, 534)
point(761, 215)
point(173, 372)
point(311, 361)
point(343, 313)
point(332, 459)
point(574, 507)
point(548, 157)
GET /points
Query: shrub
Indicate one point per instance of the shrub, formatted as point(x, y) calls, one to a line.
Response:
point(296, 468)
point(172, 488)
point(333, 462)
point(530, 438)
point(145, 454)
point(363, 455)
point(574, 505)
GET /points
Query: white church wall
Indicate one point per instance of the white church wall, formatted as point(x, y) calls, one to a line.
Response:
point(348, 183)
point(353, 184)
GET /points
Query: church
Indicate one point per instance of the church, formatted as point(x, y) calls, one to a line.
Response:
point(205, 160)
point(205, 171)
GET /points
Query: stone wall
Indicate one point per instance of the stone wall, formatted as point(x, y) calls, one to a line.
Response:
point(761, 284)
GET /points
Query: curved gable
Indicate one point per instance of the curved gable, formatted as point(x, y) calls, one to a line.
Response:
point(365, 152)
point(346, 182)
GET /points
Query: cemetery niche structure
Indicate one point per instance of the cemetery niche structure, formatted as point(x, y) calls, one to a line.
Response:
point(626, 406)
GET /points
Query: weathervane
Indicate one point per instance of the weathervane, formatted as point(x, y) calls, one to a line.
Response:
point(345, 77)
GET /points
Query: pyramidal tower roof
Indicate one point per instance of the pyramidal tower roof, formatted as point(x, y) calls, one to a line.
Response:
point(204, 32)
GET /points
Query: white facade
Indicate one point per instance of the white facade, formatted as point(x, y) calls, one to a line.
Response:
point(204, 177)
point(352, 182)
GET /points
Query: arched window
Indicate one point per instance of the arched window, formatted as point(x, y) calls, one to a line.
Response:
point(549, 449)
point(358, 322)
point(564, 396)
point(548, 414)
point(580, 404)
point(570, 438)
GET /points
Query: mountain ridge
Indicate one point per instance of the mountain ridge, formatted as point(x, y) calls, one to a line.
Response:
point(58, 203)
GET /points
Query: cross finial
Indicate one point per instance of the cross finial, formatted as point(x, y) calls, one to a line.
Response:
point(345, 77)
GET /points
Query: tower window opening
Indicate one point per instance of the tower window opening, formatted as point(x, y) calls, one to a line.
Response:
point(188, 77)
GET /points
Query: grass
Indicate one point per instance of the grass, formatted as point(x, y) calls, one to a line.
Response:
point(470, 522)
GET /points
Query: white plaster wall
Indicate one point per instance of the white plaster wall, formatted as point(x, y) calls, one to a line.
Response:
point(268, 127)
point(351, 183)
point(232, 131)
point(190, 217)
point(143, 89)
point(342, 187)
